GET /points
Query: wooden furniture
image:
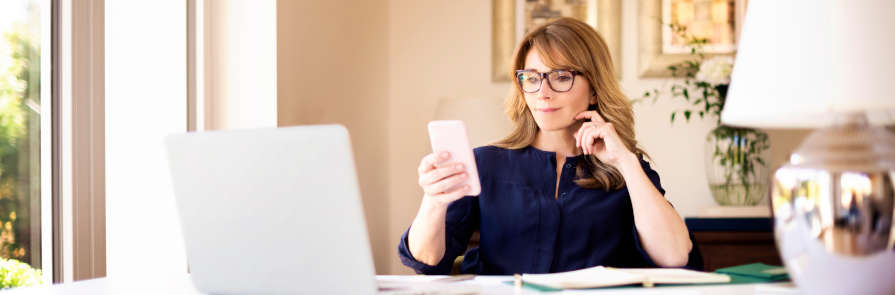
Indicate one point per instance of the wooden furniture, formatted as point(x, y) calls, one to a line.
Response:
point(722, 242)
point(727, 242)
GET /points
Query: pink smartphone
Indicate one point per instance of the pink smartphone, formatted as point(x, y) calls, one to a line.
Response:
point(451, 136)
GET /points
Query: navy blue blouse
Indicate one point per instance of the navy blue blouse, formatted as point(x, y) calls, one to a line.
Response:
point(524, 229)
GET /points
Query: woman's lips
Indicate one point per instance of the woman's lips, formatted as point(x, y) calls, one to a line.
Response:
point(546, 110)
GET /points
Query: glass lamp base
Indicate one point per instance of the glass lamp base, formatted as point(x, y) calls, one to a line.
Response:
point(833, 210)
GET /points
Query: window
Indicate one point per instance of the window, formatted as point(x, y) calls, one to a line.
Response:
point(20, 129)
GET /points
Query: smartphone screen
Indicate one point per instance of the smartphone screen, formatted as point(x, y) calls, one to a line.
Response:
point(451, 136)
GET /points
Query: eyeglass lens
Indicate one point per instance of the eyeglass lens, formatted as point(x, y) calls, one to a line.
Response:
point(559, 80)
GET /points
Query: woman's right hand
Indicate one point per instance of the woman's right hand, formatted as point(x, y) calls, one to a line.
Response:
point(439, 179)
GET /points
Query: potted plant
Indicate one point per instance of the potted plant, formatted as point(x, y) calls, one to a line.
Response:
point(735, 168)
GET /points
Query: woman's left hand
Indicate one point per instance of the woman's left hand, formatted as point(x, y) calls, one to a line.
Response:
point(599, 138)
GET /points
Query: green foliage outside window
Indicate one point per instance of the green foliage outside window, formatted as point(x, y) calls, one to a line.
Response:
point(19, 114)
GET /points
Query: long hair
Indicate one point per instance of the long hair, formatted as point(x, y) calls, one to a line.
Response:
point(567, 43)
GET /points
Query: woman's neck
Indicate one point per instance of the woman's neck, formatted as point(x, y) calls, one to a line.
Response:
point(562, 142)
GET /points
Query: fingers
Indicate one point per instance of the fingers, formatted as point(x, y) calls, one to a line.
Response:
point(579, 136)
point(442, 186)
point(592, 115)
point(430, 160)
point(587, 140)
point(590, 134)
point(433, 176)
point(455, 193)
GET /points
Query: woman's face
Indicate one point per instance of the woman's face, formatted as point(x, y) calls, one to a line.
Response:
point(554, 110)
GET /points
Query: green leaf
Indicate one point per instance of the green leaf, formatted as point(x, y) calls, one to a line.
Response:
point(672, 116)
point(701, 114)
point(687, 115)
point(686, 93)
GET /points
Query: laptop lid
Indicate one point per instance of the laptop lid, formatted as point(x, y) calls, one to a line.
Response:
point(272, 211)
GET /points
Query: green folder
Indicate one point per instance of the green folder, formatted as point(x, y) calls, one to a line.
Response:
point(757, 272)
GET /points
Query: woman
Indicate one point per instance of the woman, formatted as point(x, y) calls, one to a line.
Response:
point(567, 189)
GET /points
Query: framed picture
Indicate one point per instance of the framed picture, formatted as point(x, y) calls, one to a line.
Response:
point(512, 19)
point(718, 21)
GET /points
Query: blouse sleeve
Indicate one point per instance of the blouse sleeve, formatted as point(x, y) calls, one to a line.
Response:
point(460, 222)
point(695, 258)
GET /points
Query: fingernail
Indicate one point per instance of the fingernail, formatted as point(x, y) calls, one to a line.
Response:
point(445, 155)
point(459, 167)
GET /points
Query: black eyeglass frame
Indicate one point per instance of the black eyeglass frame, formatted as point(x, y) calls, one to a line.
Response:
point(543, 77)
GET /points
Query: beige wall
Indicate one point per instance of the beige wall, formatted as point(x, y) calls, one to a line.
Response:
point(332, 68)
point(437, 49)
point(441, 50)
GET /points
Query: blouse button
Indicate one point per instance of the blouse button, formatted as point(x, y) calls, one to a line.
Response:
point(568, 166)
point(563, 194)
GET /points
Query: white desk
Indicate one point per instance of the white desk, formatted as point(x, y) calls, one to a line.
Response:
point(479, 285)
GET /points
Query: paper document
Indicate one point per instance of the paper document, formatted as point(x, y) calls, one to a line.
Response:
point(599, 276)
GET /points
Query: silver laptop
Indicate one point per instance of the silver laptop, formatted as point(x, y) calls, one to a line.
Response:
point(272, 211)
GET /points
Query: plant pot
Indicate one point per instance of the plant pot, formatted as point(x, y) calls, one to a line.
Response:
point(734, 165)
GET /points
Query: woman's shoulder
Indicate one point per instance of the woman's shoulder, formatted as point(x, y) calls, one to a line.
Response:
point(487, 154)
point(493, 151)
point(488, 149)
point(501, 158)
point(491, 155)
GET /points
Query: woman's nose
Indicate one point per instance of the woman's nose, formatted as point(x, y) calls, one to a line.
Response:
point(545, 92)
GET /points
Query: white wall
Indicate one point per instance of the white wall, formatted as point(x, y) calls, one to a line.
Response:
point(240, 64)
point(145, 100)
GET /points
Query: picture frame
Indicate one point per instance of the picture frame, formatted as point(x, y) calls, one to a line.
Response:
point(653, 61)
point(506, 33)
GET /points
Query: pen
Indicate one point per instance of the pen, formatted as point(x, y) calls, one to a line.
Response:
point(454, 278)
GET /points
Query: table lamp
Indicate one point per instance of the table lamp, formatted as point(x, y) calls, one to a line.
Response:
point(830, 65)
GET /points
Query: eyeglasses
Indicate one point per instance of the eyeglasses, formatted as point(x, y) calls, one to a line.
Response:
point(559, 80)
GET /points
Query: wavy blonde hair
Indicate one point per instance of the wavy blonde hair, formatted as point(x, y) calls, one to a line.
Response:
point(567, 43)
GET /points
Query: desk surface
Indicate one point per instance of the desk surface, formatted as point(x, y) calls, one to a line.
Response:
point(478, 285)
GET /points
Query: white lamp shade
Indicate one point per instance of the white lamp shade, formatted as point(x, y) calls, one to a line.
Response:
point(800, 62)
